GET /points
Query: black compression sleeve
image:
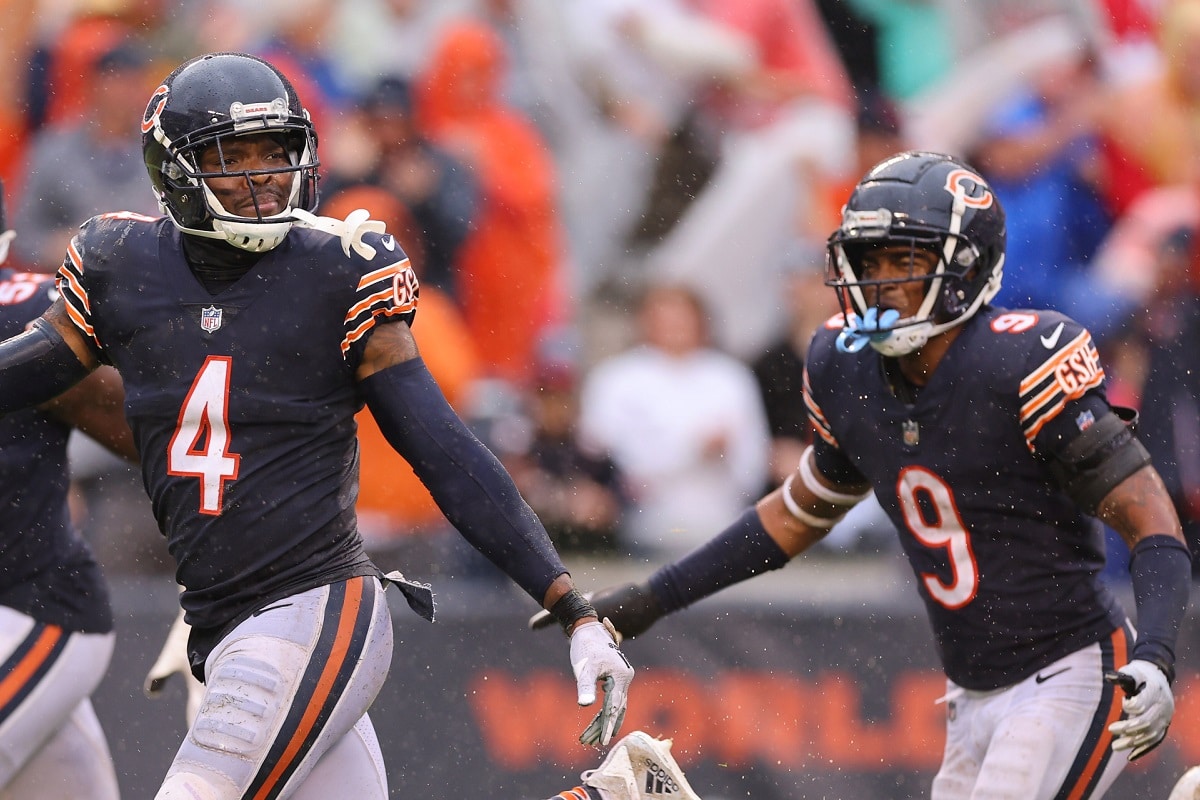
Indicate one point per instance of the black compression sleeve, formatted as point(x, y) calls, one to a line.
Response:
point(741, 551)
point(36, 366)
point(1161, 568)
point(468, 482)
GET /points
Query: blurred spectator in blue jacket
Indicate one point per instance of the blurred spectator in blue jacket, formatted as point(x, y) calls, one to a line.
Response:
point(1041, 154)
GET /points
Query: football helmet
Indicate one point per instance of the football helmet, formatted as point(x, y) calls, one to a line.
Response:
point(203, 103)
point(925, 201)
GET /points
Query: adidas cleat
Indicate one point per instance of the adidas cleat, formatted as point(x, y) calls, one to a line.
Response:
point(640, 767)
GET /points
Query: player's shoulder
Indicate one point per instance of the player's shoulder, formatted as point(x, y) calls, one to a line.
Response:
point(1038, 350)
point(117, 228)
point(117, 223)
point(380, 246)
point(1029, 336)
point(823, 353)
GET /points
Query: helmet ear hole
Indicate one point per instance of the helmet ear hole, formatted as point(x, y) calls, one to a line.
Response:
point(954, 296)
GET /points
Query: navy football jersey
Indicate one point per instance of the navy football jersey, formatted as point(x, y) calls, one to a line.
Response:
point(1005, 561)
point(46, 569)
point(241, 403)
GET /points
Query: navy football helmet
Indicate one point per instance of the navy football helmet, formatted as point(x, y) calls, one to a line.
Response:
point(928, 201)
point(201, 104)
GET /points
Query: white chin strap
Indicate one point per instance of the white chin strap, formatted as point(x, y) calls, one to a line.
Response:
point(252, 235)
point(257, 237)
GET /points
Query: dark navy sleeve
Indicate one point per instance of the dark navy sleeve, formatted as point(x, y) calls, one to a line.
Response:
point(387, 291)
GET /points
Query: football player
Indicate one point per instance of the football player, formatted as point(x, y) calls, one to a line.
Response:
point(987, 438)
point(248, 332)
point(56, 626)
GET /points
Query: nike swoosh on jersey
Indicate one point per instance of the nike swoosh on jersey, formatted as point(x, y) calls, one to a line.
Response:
point(1050, 341)
point(388, 242)
point(1043, 678)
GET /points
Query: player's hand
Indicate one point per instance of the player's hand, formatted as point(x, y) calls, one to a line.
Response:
point(171, 660)
point(1148, 704)
point(596, 657)
point(632, 608)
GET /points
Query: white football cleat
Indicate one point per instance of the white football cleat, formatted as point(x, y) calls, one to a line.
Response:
point(640, 767)
point(1188, 787)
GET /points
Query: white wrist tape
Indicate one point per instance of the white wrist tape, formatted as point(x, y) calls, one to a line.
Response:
point(821, 490)
point(799, 513)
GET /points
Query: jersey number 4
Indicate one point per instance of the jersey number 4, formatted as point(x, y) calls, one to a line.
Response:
point(200, 445)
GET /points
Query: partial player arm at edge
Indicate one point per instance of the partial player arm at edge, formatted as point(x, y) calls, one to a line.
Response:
point(46, 360)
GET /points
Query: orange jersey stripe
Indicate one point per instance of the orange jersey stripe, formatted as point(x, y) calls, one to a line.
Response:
point(30, 664)
point(80, 321)
point(337, 660)
point(383, 273)
point(1120, 658)
point(72, 277)
point(367, 302)
point(1051, 364)
point(362, 329)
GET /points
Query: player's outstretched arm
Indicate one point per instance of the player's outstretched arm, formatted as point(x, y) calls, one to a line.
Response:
point(50, 357)
point(767, 536)
point(480, 500)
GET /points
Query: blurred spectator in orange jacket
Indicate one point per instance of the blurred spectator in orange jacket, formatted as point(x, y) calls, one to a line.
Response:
point(391, 500)
point(511, 270)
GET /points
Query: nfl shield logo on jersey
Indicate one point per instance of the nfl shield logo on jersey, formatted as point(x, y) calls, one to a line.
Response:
point(210, 319)
point(912, 433)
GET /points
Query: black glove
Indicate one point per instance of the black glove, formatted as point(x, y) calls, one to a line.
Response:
point(632, 608)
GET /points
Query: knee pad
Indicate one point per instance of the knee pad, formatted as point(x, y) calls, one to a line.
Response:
point(246, 699)
point(187, 786)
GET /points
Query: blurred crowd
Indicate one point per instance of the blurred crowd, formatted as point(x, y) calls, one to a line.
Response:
point(618, 211)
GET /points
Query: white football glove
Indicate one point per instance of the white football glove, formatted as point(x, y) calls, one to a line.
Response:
point(596, 657)
point(174, 659)
point(1148, 707)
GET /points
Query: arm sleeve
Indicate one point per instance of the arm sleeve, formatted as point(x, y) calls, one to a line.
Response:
point(1161, 569)
point(36, 366)
point(467, 481)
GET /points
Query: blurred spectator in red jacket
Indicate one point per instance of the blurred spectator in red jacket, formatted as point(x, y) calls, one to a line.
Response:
point(511, 271)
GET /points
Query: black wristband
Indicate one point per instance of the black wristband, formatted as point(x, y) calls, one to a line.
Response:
point(570, 608)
